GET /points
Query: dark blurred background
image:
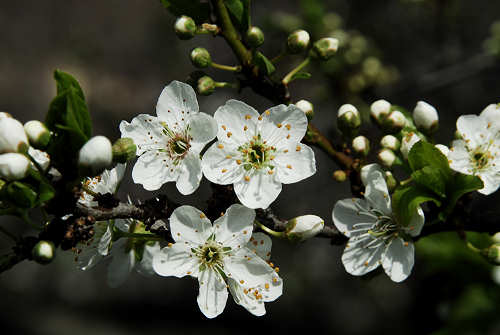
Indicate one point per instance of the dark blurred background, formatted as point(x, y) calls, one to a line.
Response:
point(124, 52)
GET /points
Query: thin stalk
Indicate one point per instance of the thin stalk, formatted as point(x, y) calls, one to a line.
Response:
point(269, 230)
point(288, 77)
point(226, 67)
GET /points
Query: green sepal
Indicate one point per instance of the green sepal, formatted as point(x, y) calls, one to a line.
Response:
point(264, 64)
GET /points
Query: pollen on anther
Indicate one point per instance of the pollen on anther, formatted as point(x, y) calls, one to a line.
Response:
point(220, 146)
point(248, 117)
point(406, 244)
point(169, 245)
point(242, 281)
point(279, 125)
point(267, 112)
point(275, 280)
point(245, 128)
point(285, 151)
point(238, 161)
point(188, 273)
point(224, 170)
point(228, 157)
point(202, 216)
point(287, 136)
point(298, 148)
point(270, 172)
point(244, 232)
point(366, 263)
point(229, 134)
point(266, 285)
point(247, 178)
point(288, 126)
point(260, 118)
point(289, 166)
point(277, 269)
point(224, 127)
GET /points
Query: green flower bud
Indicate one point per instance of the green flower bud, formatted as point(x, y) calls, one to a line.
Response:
point(391, 181)
point(303, 227)
point(297, 41)
point(325, 48)
point(361, 145)
point(496, 237)
point(124, 150)
point(492, 254)
point(200, 57)
point(185, 27)
point(340, 176)
point(390, 142)
point(395, 121)
point(387, 157)
point(254, 37)
point(38, 134)
point(348, 120)
point(206, 85)
point(44, 252)
point(306, 107)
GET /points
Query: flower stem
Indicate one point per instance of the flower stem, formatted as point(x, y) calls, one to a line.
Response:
point(405, 182)
point(473, 248)
point(226, 67)
point(269, 230)
point(288, 77)
point(220, 84)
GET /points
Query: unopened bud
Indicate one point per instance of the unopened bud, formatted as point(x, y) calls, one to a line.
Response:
point(303, 227)
point(496, 237)
point(340, 176)
point(391, 181)
point(206, 85)
point(95, 156)
point(361, 145)
point(395, 121)
point(390, 142)
point(13, 166)
point(426, 117)
point(200, 57)
point(254, 37)
point(185, 27)
point(38, 134)
point(348, 119)
point(12, 136)
point(124, 150)
point(387, 157)
point(297, 41)
point(306, 107)
point(443, 148)
point(5, 114)
point(457, 135)
point(380, 109)
point(43, 252)
point(492, 254)
point(325, 48)
point(407, 142)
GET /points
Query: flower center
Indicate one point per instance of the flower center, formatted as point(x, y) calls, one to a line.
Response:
point(480, 159)
point(257, 154)
point(210, 254)
point(177, 144)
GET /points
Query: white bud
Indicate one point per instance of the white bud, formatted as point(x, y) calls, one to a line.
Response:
point(496, 237)
point(390, 142)
point(38, 134)
point(408, 141)
point(391, 181)
point(43, 252)
point(387, 157)
point(298, 41)
point(348, 119)
point(325, 48)
point(5, 114)
point(443, 148)
point(96, 155)
point(492, 254)
point(185, 27)
point(13, 166)
point(395, 121)
point(306, 107)
point(12, 136)
point(425, 117)
point(380, 109)
point(361, 145)
point(304, 227)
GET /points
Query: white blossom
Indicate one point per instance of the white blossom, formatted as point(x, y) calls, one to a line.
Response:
point(387, 157)
point(380, 109)
point(221, 256)
point(390, 142)
point(95, 155)
point(375, 236)
point(425, 116)
point(13, 166)
point(12, 136)
point(170, 143)
point(478, 152)
point(304, 227)
point(257, 153)
point(107, 182)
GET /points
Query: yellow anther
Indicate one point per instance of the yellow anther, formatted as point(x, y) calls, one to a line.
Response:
point(188, 273)
point(288, 126)
point(244, 232)
point(266, 285)
point(228, 157)
point(285, 151)
point(277, 269)
point(224, 127)
point(242, 281)
point(255, 138)
point(289, 166)
point(298, 148)
point(202, 216)
point(245, 291)
point(275, 280)
point(366, 263)
point(271, 158)
point(279, 125)
point(220, 146)
point(287, 136)
point(260, 117)
point(238, 161)
point(248, 117)
point(267, 112)
point(245, 128)
point(229, 134)
point(406, 244)
point(169, 245)
point(224, 170)
point(270, 171)
point(271, 264)
point(247, 178)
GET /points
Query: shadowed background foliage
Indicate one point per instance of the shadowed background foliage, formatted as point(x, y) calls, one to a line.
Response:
point(124, 52)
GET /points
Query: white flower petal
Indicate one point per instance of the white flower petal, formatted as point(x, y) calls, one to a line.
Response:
point(153, 169)
point(398, 259)
point(346, 213)
point(259, 191)
point(104, 241)
point(190, 174)
point(176, 103)
point(247, 268)
point(146, 131)
point(376, 191)
point(358, 259)
point(260, 244)
point(296, 164)
point(459, 158)
point(122, 224)
point(189, 224)
point(283, 125)
point(202, 128)
point(416, 223)
point(247, 300)
point(175, 260)
point(237, 122)
point(145, 267)
point(41, 157)
point(234, 228)
point(121, 264)
point(472, 128)
point(219, 164)
point(212, 296)
point(491, 181)
point(93, 253)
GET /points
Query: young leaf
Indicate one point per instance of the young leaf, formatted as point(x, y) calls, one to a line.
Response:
point(461, 185)
point(405, 201)
point(301, 75)
point(237, 10)
point(432, 179)
point(197, 10)
point(425, 154)
point(264, 64)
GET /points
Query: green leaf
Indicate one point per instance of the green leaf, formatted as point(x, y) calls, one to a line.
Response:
point(239, 12)
point(45, 192)
point(405, 201)
point(301, 75)
point(64, 81)
point(197, 10)
point(432, 179)
point(424, 154)
point(20, 194)
point(264, 64)
point(461, 185)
